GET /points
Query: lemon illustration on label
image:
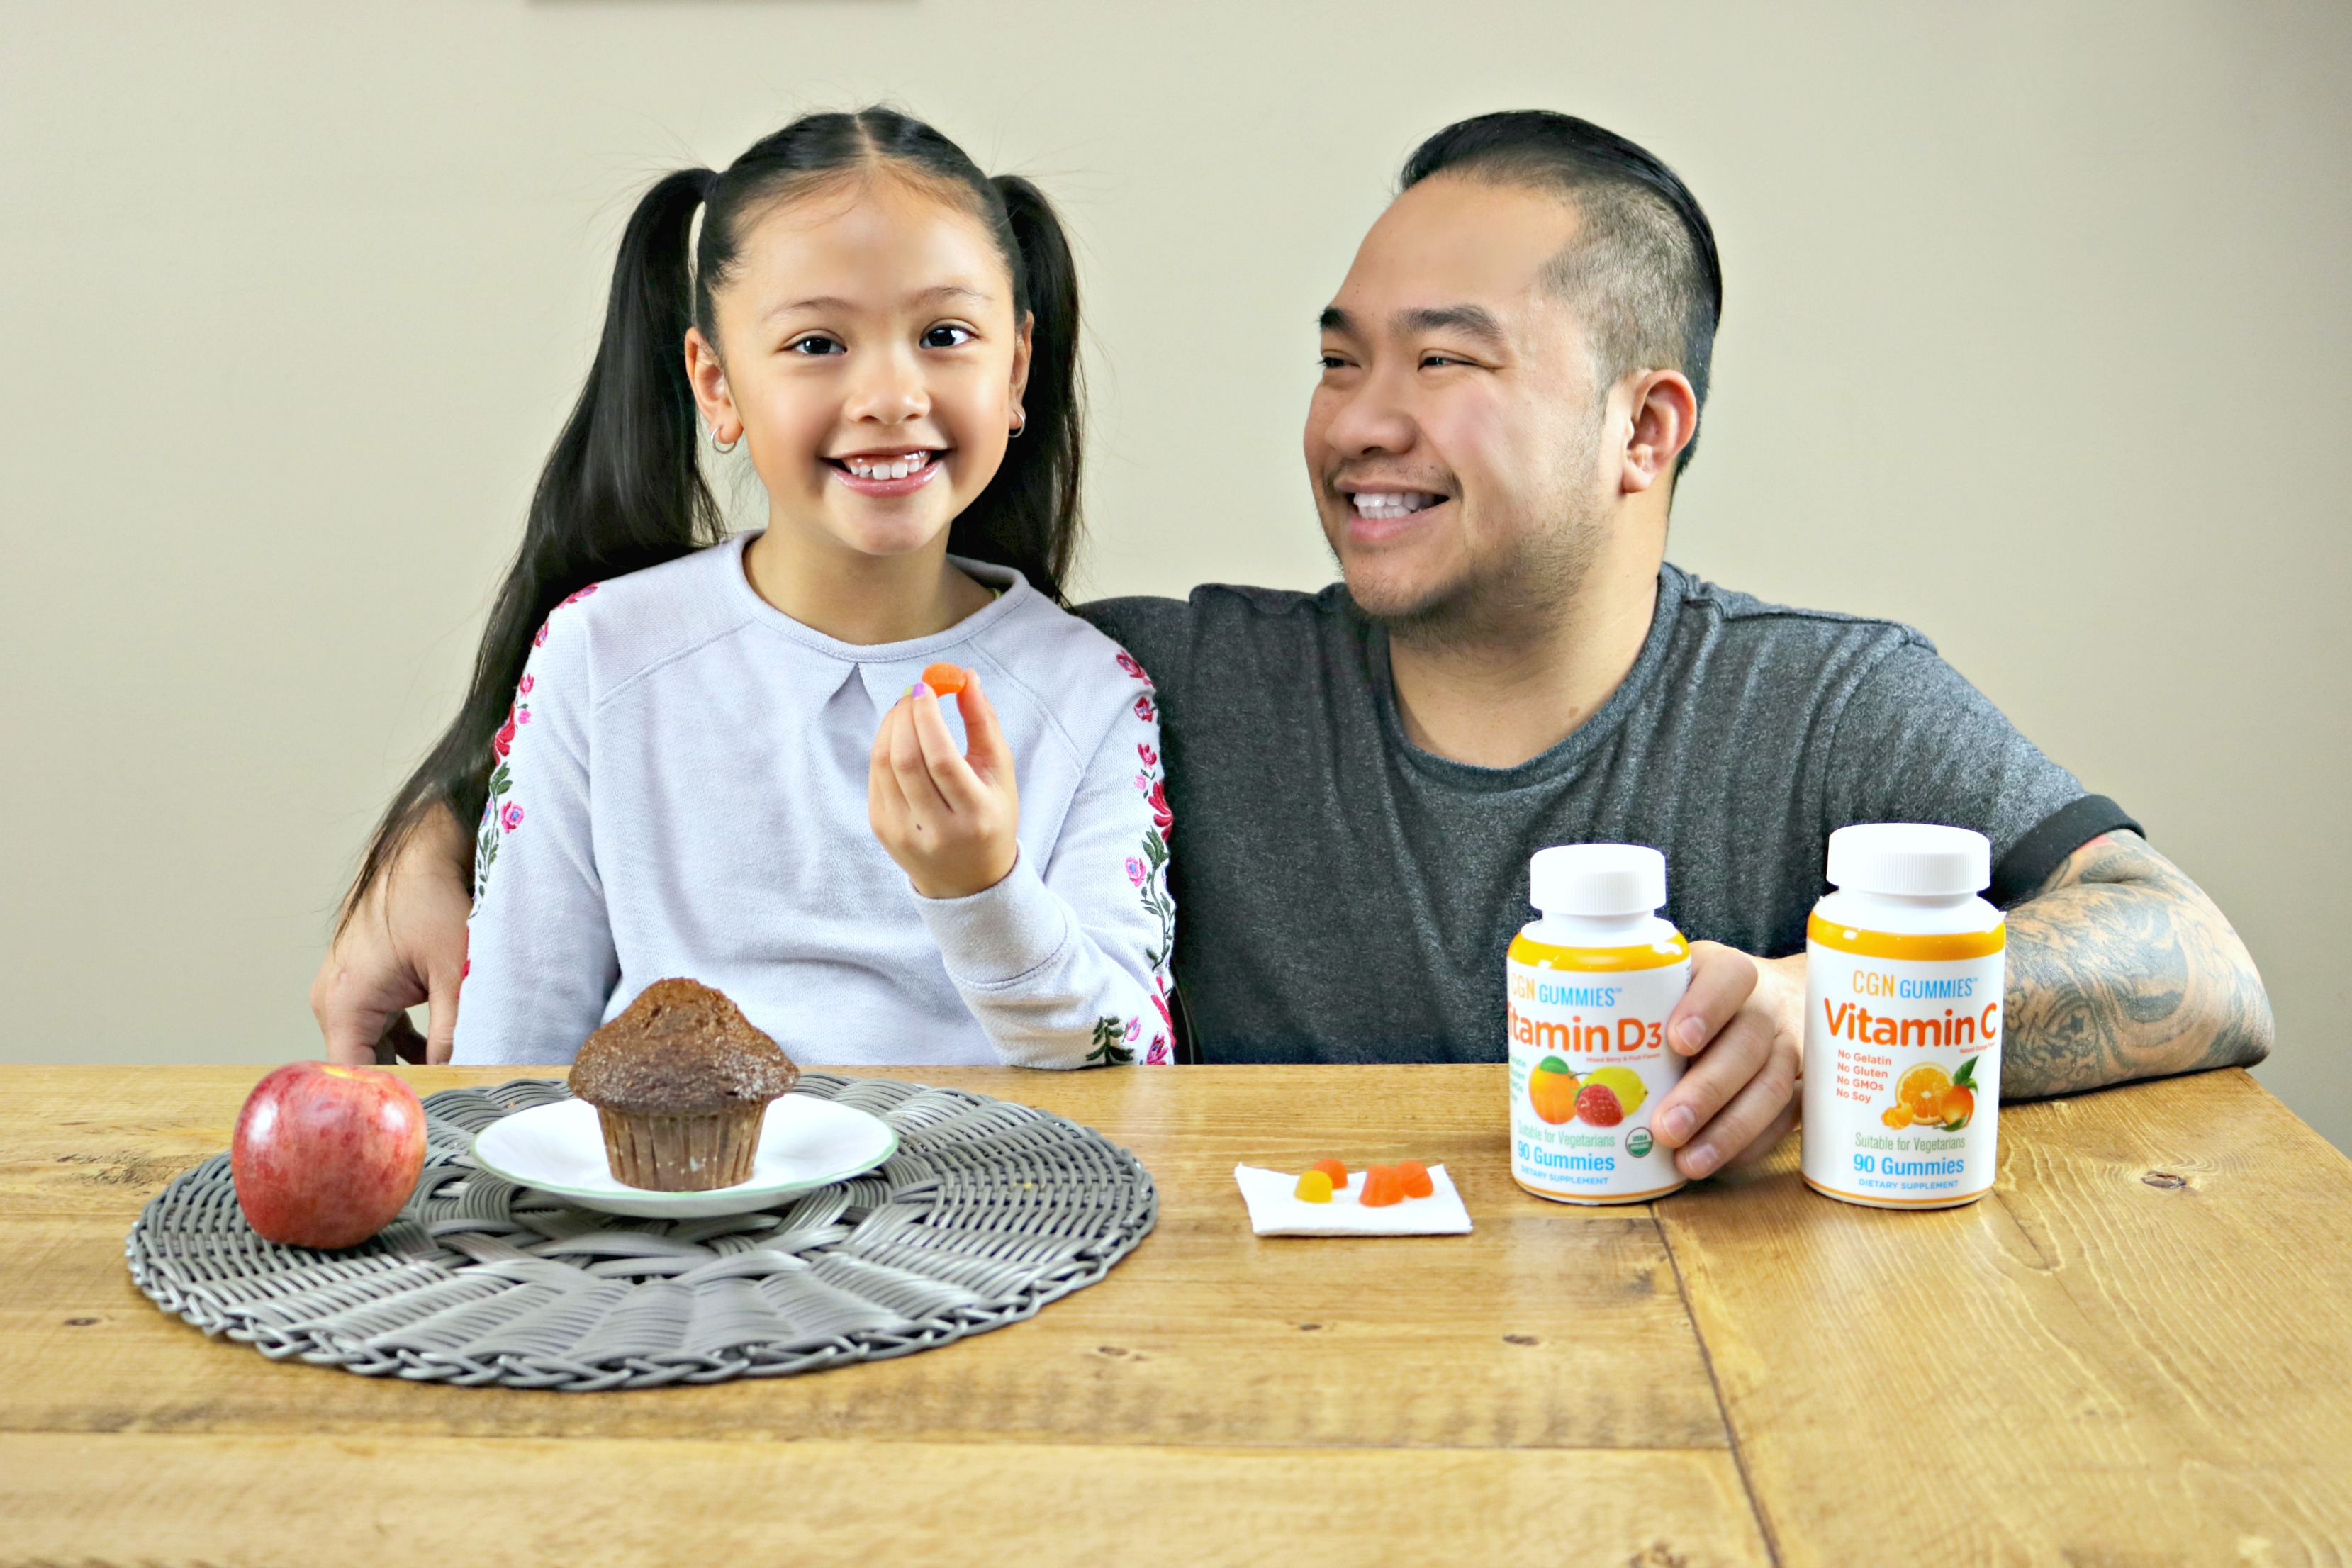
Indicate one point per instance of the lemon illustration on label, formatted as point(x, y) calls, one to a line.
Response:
point(1624, 1083)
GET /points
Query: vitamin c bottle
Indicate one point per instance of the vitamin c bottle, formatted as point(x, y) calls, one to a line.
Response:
point(1902, 1019)
point(1589, 987)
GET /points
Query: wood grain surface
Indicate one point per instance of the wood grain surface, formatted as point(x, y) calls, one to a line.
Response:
point(2133, 1353)
point(1547, 1327)
point(282, 1503)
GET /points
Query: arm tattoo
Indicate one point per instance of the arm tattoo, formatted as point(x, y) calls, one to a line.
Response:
point(2121, 967)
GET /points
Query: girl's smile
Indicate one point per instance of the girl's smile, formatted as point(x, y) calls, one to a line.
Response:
point(890, 473)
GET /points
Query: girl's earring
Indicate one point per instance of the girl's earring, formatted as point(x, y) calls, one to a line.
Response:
point(1022, 415)
point(716, 446)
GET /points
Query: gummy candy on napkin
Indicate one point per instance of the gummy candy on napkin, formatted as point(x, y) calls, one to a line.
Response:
point(1275, 1210)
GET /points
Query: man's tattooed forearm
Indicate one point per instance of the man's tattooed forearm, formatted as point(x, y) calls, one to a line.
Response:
point(2122, 968)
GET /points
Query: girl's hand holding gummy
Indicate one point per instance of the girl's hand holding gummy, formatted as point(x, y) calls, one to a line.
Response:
point(948, 819)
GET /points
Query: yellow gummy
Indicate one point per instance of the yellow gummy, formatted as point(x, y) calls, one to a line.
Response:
point(1314, 1187)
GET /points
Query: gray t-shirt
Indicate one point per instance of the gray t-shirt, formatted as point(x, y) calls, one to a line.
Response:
point(1344, 896)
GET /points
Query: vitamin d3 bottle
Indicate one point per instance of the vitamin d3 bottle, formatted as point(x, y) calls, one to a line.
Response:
point(1902, 1019)
point(1591, 985)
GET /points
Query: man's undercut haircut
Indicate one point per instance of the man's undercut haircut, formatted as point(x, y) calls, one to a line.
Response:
point(1642, 273)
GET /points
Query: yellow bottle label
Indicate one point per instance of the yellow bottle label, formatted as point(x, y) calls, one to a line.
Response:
point(1894, 945)
point(1902, 1083)
point(1589, 1063)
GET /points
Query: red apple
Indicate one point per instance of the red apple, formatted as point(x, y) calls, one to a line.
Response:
point(325, 1157)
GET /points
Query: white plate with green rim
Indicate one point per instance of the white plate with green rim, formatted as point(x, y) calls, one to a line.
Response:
point(805, 1142)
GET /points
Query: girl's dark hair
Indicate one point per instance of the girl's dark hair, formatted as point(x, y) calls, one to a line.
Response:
point(623, 489)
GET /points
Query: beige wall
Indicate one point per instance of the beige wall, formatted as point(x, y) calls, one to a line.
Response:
point(2036, 337)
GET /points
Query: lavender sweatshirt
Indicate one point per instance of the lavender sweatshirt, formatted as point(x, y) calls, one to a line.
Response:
point(681, 791)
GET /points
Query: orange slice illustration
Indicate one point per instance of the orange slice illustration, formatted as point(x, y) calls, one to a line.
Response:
point(1922, 1089)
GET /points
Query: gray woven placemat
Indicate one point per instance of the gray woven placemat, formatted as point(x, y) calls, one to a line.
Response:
point(988, 1211)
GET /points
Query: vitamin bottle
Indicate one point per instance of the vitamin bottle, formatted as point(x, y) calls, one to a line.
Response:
point(1589, 987)
point(1902, 1019)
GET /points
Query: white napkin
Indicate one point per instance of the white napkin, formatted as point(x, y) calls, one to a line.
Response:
point(1275, 1210)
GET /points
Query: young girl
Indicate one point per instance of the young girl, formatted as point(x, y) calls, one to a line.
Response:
point(725, 764)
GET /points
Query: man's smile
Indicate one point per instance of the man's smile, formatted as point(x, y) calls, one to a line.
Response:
point(1376, 515)
point(1385, 504)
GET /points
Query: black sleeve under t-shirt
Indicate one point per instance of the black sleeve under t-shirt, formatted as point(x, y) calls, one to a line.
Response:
point(2020, 874)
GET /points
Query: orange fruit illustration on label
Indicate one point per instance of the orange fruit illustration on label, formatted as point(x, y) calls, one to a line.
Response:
point(1922, 1089)
point(1928, 1097)
point(1551, 1088)
point(1960, 1102)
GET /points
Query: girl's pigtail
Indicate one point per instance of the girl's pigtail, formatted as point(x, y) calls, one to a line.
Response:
point(621, 491)
point(1028, 517)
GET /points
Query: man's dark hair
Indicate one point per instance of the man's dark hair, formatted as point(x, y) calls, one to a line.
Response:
point(1642, 272)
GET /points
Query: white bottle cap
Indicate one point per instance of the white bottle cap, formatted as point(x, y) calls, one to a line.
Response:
point(1597, 879)
point(1914, 858)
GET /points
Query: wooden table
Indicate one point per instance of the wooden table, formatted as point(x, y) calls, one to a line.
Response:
point(2135, 1352)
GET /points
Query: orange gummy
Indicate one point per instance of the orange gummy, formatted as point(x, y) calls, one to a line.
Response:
point(1382, 1188)
point(946, 680)
point(1314, 1187)
point(1333, 1168)
point(1413, 1177)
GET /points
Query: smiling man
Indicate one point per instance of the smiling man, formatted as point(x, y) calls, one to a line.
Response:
point(1514, 370)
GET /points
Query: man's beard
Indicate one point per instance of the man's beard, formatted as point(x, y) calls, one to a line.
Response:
point(1515, 596)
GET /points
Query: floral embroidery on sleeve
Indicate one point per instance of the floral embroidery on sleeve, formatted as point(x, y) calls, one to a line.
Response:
point(538, 638)
point(1109, 1052)
point(1147, 873)
point(500, 816)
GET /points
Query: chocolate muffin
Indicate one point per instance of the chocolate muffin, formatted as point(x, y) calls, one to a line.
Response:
point(681, 1082)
